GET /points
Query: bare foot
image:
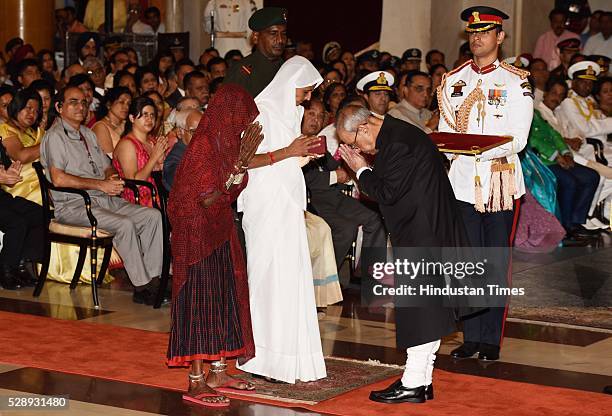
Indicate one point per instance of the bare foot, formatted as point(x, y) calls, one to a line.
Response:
point(222, 379)
point(198, 389)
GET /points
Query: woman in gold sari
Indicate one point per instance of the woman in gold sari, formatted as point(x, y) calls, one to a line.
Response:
point(21, 136)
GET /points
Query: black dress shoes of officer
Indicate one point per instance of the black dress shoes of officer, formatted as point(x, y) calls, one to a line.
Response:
point(397, 393)
point(466, 350)
point(488, 352)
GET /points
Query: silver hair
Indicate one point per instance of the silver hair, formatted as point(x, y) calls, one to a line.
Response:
point(182, 101)
point(357, 115)
point(91, 61)
point(180, 118)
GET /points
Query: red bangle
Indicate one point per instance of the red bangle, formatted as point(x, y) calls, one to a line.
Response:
point(271, 156)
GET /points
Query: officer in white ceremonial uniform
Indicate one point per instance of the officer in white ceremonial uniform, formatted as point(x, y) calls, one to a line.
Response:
point(231, 24)
point(580, 118)
point(484, 96)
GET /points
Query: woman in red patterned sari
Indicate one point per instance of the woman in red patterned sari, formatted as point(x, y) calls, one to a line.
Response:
point(138, 154)
point(210, 307)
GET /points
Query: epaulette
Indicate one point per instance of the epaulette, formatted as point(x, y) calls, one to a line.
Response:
point(459, 68)
point(517, 71)
point(246, 69)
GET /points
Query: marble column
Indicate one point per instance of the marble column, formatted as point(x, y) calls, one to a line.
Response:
point(31, 20)
point(174, 16)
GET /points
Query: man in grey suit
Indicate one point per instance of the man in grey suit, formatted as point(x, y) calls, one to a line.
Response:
point(72, 158)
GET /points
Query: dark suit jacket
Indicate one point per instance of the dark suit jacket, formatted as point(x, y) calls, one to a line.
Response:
point(174, 98)
point(409, 182)
point(171, 163)
point(316, 173)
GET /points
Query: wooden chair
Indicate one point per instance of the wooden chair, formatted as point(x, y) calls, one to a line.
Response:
point(352, 255)
point(160, 192)
point(163, 201)
point(84, 237)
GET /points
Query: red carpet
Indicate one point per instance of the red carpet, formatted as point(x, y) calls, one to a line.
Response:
point(136, 356)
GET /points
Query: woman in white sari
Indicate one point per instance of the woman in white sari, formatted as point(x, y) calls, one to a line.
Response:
point(283, 310)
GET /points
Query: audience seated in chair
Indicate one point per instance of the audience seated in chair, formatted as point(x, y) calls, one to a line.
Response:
point(186, 122)
point(138, 153)
point(21, 222)
point(72, 158)
point(112, 115)
point(22, 137)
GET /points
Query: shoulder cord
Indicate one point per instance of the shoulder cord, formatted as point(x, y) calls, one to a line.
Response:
point(587, 117)
point(465, 109)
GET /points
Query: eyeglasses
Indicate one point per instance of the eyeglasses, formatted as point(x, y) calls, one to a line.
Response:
point(354, 144)
point(422, 88)
point(74, 102)
point(190, 131)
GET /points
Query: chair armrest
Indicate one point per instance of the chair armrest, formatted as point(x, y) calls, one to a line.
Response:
point(86, 198)
point(46, 185)
point(133, 184)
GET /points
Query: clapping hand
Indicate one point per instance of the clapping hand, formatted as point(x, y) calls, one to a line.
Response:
point(248, 146)
point(15, 167)
point(11, 176)
point(159, 149)
point(352, 157)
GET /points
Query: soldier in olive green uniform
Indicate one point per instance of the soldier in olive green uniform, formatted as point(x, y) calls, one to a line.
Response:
point(254, 73)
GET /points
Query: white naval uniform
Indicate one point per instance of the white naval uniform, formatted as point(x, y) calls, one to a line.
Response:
point(230, 16)
point(509, 115)
point(579, 118)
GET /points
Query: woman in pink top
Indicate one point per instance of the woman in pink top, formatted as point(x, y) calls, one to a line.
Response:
point(138, 153)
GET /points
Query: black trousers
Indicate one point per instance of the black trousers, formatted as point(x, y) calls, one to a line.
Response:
point(487, 230)
point(21, 221)
point(344, 215)
point(575, 190)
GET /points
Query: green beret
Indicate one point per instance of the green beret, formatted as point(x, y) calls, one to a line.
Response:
point(266, 17)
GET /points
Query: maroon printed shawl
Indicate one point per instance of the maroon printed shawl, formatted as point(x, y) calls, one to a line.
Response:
point(206, 165)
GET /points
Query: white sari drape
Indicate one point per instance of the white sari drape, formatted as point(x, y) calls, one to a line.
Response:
point(283, 310)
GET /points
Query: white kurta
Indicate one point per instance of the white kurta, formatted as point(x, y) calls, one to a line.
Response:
point(283, 309)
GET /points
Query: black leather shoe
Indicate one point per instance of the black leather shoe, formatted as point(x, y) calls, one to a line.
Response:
point(396, 393)
point(581, 232)
point(488, 352)
point(8, 279)
point(429, 392)
point(25, 277)
point(144, 297)
point(607, 390)
point(466, 350)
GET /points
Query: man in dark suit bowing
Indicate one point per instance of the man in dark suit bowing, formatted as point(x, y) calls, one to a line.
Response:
point(326, 179)
point(409, 182)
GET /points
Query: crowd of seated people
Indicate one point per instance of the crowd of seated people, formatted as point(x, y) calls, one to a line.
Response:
point(142, 116)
